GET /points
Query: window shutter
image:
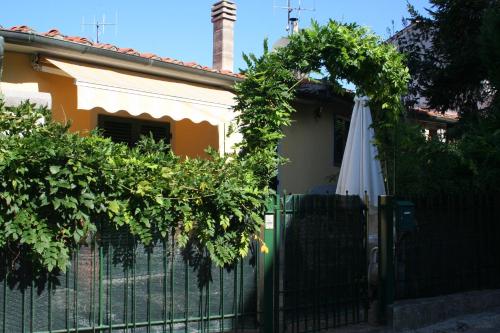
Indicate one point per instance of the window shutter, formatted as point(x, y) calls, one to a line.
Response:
point(119, 130)
point(158, 131)
point(340, 132)
point(129, 131)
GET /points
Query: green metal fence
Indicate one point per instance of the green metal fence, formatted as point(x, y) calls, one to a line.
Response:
point(455, 247)
point(323, 272)
point(118, 285)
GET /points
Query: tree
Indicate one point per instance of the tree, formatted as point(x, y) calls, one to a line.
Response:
point(454, 58)
point(451, 72)
point(490, 49)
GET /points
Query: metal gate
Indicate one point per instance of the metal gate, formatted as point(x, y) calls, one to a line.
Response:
point(322, 271)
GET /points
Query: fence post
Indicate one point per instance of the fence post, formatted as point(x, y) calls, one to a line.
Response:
point(386, 255)
point(271, 230)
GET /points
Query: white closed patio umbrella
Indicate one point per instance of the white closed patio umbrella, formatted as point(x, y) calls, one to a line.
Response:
point(361, 171)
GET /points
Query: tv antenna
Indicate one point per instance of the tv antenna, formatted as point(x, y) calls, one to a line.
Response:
point(100, 26)
point(292, 25)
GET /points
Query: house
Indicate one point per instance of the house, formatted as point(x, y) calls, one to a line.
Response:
point(315, 142)
point(124, 92)
point(434, 122)
point(127, 93)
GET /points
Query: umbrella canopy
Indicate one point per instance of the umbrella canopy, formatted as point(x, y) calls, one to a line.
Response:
point(360, 170)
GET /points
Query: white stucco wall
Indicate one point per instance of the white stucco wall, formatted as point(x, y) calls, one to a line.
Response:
point(309, 147)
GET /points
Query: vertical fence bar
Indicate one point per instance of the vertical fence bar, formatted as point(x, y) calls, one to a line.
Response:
point(241, 304)
point(306, 291)
point(165, 288)
point(315, 224)
point(101, 287)
point(221, 299)
point(67, 301)
point(186, 310)
point(346, 296)
point(148, 287)
point(110, 285)
point(208, 306)
point(257, 279)
point(125, 291)
point(4, 315)
point(386, 252)
point(202, 313)
point(296, 310)
point(335, 273)
point(134, 296)
point(172, 263)
point(325, 253)
point(75, 286)
point(23, 312)
point(269, 265)
point(49, 283)
point(32, 307)
point(235, 298)
point(277, 239)
point(93, 250)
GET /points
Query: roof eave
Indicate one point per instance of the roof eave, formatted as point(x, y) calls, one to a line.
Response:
point(34, 43)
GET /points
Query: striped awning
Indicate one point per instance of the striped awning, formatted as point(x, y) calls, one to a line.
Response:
point(119, 90)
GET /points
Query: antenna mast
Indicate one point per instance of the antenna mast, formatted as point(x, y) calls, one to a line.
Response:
point(292, 25)
point(100, 26)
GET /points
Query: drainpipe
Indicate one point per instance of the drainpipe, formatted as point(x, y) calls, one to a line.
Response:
point(2, 46)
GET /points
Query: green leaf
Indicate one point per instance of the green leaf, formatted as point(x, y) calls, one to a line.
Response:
point(54, 169)
point(114, 207)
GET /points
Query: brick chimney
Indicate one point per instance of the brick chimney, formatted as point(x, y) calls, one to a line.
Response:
point(223, 18)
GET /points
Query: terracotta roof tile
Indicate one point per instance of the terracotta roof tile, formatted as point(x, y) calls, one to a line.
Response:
point(150, 56)
point(22, 28)
point(53, 33)
point(56, 34)
point(106, 46)
point(448, 115)
point(79, 40)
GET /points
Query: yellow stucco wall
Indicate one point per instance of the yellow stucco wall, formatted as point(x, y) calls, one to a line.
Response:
point(188, 139)
point(18, 69)
point(192, 139)
point(308, 144)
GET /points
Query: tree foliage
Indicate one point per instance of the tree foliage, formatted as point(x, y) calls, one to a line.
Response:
point(448, 66)
point(453, 55)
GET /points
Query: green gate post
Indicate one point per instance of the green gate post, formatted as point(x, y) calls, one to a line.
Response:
point(386, 255)
point(271, 230)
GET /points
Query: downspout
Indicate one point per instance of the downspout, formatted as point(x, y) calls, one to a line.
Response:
point(2, 48)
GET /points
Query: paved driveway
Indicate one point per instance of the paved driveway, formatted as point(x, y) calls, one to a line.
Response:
point(484, 322)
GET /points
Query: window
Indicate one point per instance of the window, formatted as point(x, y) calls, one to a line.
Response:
point(340, 132)
point(129, 131)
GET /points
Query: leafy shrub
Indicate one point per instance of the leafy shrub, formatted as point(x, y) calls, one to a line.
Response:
point(56, 187)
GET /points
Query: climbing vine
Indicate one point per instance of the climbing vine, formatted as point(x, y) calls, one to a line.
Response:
point(57, 188)
point(334, 52)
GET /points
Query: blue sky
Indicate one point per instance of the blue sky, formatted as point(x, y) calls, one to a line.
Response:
point(182, 29)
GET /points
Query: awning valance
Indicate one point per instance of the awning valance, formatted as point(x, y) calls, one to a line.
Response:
point(119, 90)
